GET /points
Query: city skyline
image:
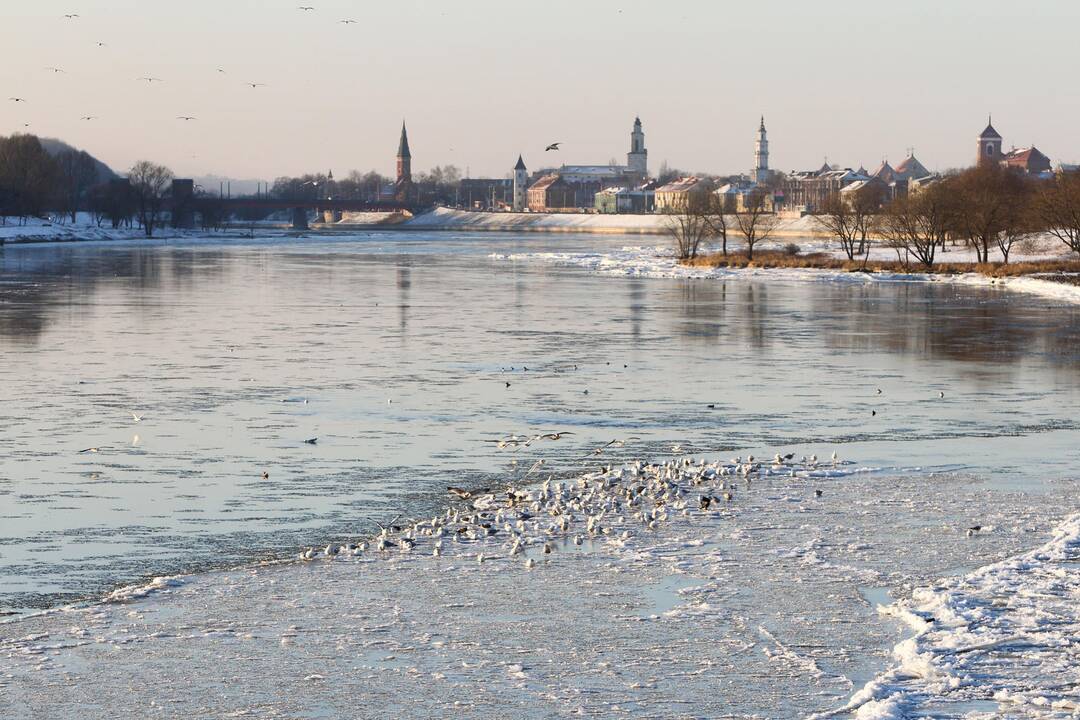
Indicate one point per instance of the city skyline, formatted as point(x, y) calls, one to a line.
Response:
point(303, 92)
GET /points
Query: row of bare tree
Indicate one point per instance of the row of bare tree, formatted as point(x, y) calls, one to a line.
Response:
point(985, 208)
point(703, 216)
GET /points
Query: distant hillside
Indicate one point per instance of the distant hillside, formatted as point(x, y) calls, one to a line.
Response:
point(55, 147)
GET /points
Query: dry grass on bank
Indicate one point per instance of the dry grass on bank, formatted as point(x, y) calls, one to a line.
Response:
point(823, 261)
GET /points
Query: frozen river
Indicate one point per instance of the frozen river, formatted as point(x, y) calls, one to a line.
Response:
point(405, 355)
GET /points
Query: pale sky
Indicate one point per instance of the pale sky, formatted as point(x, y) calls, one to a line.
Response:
point(481, 80)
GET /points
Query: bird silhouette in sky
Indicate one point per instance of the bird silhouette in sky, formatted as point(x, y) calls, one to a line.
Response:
point(552, 146)
point(186, 117)
point(150, 79)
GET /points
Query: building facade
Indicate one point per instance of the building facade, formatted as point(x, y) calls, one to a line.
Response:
point(761, 155)
point(521, 185)
point(637, 160)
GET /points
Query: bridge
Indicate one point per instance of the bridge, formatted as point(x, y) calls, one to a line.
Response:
point(185, 204)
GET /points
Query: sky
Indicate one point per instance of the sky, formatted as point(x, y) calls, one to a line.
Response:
point(479, 81)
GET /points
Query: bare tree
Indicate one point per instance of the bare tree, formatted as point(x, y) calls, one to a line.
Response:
point(1057, 208)
point(989, 208)
point(917, 224)
point(719, 218)
point(150, 184)
point(851, 218)
point(757, 221)
point(690, 223)
point(78, 174)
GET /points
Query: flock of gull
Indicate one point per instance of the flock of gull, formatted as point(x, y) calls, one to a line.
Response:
point(612, 503)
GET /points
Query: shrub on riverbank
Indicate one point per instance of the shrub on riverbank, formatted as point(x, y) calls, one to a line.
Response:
point(823, 261)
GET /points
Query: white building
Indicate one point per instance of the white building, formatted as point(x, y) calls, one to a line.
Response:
point(761, 155)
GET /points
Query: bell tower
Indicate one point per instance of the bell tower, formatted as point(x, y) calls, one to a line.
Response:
point(761, 155)
point(521, 182)
point(637, 160)
point(989, 145)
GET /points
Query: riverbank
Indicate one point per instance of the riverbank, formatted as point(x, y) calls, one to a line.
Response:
point(1045, 278)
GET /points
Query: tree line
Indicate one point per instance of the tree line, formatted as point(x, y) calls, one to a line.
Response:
point(988, 209)
point(37, 184)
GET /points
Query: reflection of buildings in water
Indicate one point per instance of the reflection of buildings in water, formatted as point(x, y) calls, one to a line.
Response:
point(732, 311)
point(637, 306)
point(404, 285)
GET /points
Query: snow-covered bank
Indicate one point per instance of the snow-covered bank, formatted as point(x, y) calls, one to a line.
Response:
point(1006, 633)
point(450, 219)
point(660, 262)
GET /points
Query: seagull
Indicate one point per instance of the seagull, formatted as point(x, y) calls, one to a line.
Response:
point(879, 391)
point(71, 16)
point(312, 441)
point(459, 492)
point(101, 44)
point(552, 146)
point(186, 117)
point(305, 7)
point(136, 418)
point(17, 99)
point(221, 71)
point(613, 443)
point(552, 436)
point(941, 394)
point(55, 69)
point(89, 117)
point(973, 529)
point(265, 475)
point(90, 450)
point(536, 466)
point(256, 85)
point(347, 22)
point(150, 79)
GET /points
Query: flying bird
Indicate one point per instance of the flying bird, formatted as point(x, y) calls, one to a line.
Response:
point(347, 22)
point(552, 146)
point(256, 85)
point(90, 450)
point(15, 99)
point(55, 69)
point(136, 418)
point(89, 117)
point(151, 79)
point(186, 117)
point(71, 16)
point(101, 44)
point(305, 7)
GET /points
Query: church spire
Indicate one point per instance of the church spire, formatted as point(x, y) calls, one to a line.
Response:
point(403, 145)
point(404, 158)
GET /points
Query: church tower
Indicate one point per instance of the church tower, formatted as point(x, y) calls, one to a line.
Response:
point(989, 145)
point(404, 158)
point(761, 155)
point(521, 182)
point(637, 160)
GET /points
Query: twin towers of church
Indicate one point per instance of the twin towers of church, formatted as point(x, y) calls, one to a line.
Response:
point(637, 164)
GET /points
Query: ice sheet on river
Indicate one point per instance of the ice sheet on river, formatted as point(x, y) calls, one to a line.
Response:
point(763, 608)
